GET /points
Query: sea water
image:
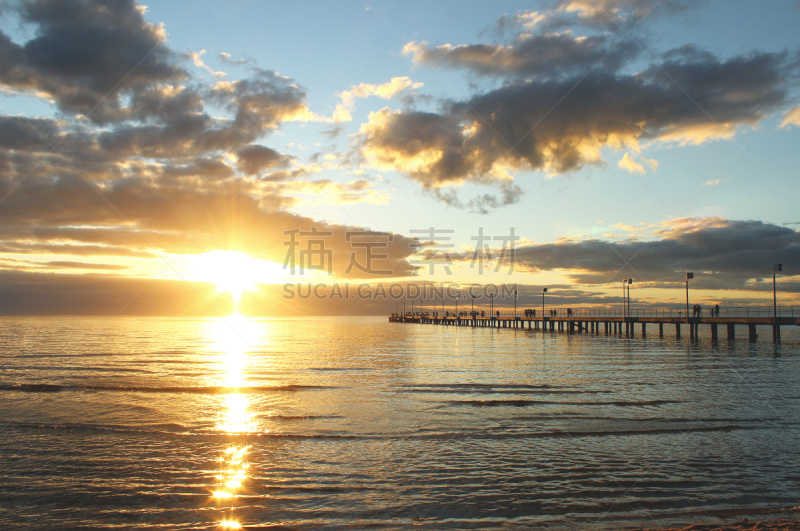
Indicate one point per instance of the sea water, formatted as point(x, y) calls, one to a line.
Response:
point(138, 423)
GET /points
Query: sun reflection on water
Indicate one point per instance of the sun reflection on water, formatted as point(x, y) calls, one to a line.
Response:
point(232, 337)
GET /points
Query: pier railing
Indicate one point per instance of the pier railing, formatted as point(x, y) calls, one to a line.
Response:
point(734, 311)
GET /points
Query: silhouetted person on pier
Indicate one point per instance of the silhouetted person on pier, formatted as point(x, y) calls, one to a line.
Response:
point(716, 310)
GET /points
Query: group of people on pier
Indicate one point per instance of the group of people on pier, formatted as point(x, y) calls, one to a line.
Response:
point(697, 311)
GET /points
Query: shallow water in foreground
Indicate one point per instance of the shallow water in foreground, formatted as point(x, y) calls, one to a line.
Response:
point(360, 423)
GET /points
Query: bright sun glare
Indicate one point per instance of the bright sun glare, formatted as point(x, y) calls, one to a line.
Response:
point(231, 271)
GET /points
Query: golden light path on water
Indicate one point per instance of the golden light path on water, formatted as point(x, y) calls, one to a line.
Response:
point(231, 336)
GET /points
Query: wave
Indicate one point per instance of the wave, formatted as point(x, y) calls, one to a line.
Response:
point(524, 403)
point(297, 417)
point(485, 386)
point(206, 390)
point(169, 429)
point(505, 391)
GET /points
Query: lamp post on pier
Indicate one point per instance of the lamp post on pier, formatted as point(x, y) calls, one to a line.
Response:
point(624, 280)
point(630, 281)
point(689, 276)
point(775, 333)
point(544, 290)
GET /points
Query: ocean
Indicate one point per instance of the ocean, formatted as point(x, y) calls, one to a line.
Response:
point(355, 422)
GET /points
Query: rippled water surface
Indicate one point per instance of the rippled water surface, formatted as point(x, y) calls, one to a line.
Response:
point(360, 423)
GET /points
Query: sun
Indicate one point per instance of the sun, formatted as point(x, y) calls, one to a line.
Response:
point(231, 271)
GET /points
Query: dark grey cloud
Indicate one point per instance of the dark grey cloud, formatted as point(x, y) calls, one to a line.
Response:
point(27, 293)
point(481, 203)
point(542, 56)
point(723, 254)
point(85, 53)
point(253, 159)
point(84, 265)
point(560, 125)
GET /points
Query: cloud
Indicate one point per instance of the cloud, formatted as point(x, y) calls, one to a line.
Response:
point(605, 12)
point(630, 228)
point(227, 59)
point(561, 125)
point(791, 117)
point(628, 163)
point(198, 62)
point(253, 159)
point(397, 86)
point(723, 254)
point(84, 265)
point(604, 15)
point(138, 166)
point(715, 182)
point(547, 55)
point(84, 55)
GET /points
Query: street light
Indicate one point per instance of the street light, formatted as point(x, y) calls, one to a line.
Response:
point(544, 290)
point(626, 307)
point(775, 268)
point(624, 280)
point(688, 277)
point(630, 281)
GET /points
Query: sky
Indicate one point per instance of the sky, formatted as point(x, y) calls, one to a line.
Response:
point(203, 157)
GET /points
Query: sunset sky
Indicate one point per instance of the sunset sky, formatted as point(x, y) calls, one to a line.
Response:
point(153, 157)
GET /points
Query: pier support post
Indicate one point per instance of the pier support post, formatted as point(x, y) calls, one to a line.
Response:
point(677, 330)
point(627, 329)
point(776, 333)
point(752, 332)
point(691, 331)
point(644, 329)
point(714, 336)
point(731, 331)
point(661, 330)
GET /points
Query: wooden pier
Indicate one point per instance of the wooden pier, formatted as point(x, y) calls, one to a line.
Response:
point(611, 325)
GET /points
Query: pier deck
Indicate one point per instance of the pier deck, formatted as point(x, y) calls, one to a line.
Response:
point(611, 325)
